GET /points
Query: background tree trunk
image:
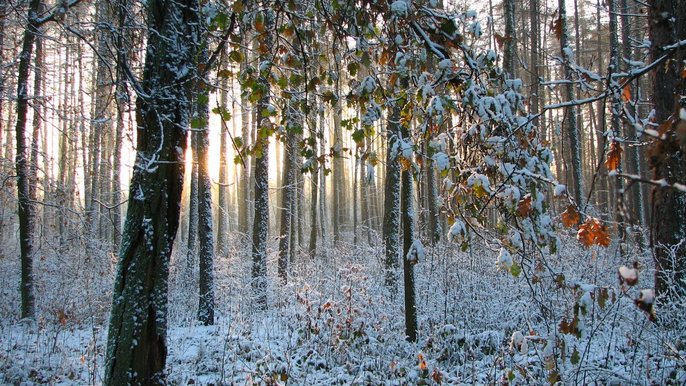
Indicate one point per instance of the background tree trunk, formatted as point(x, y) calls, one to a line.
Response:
point(261, 219)
point(204, 202)
point(570, 118)
point(391, 222)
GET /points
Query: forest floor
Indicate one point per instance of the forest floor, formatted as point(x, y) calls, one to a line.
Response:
point(335, 322)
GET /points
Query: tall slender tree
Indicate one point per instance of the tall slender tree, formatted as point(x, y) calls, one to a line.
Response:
point(264, 23)
point(25, 205)
point(570, 115)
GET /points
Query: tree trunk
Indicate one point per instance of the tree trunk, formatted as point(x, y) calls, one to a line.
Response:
point(223, 220)
point(635, 192)
point(204, 202)
point(261, 219)
point(391, 222)
point(570, 119)
point(288, 186)
point(410, 250)
point(243, 186)
point(193, 208)
point(136, 344)
point(25, 207)
point(614, 118)
point(338, 183)
point(510, 39)
point(122, 100)
point(667, 21)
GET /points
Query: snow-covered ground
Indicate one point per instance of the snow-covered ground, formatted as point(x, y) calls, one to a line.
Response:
point(336, 323)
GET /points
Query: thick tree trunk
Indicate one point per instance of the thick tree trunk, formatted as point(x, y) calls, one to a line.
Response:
point(136, 344)
point(667, 20)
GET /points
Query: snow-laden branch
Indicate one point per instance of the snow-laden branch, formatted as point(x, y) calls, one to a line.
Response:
point(630, 77)
point(433, 47)
point(661, 182)
point(57, 13)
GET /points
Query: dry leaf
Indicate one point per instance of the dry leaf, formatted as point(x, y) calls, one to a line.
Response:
point(556, 27)
point(626, 93)
point(570, 216)
point(422, 362)
point(437, 376)
point(524, 206)
point(614, 156)
point(405, 164)
point(593, 232)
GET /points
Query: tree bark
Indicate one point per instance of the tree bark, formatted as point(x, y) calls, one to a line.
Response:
point(25, 206)
point(410, 252)
point(136, 344)
point(261, 219)
point(204, 202)
point(668, 229)
point(391, 221)
point(288, 186)
point(570, 118)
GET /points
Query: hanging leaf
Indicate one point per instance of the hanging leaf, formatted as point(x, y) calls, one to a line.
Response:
point(626, 93)
point(405, 164)
point(570, 217)
point(524, 206)
point(556, 27)
point(385, 57)
point(501, 40)
point(259, 24)
point(614, 156)
point(593, 232)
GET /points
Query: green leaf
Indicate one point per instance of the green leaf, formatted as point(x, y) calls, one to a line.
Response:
point(236, 56)
point(198, 123)
point(448, 27)
point(515, 270)
point(358, 136)
point(352, 68)
point(575, 357)
point(238, 141)
point(203, 98)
